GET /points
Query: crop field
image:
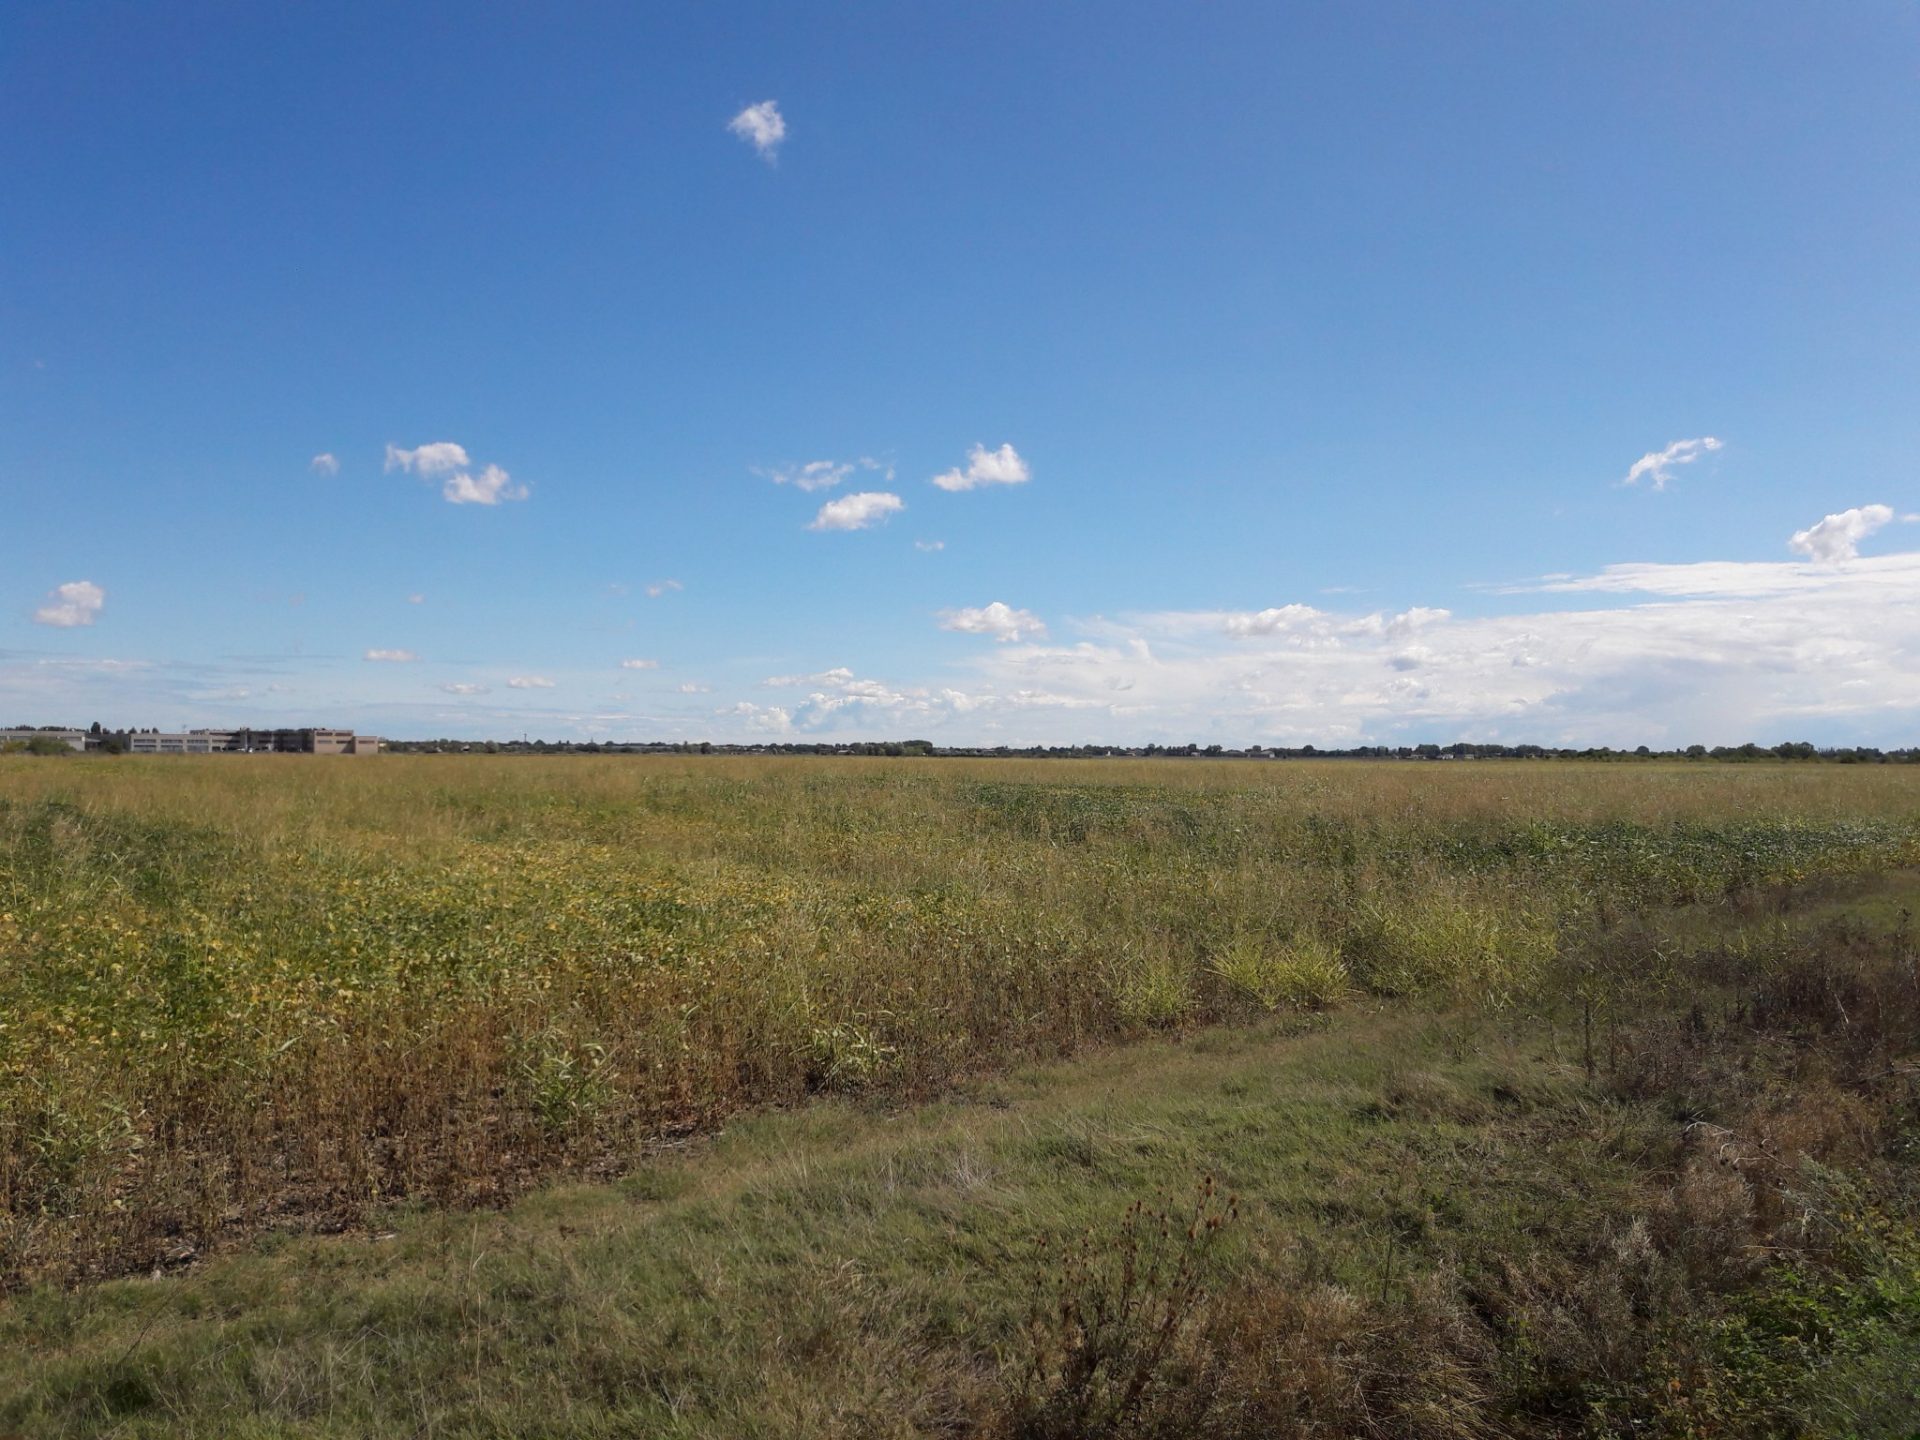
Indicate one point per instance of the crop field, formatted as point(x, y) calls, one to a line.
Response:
point(241, 993)
point(1542, 1098)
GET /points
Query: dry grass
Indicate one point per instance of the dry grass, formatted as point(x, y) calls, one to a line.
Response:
point(240, 993)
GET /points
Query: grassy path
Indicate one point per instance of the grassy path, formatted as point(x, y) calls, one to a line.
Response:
point(833, 1270)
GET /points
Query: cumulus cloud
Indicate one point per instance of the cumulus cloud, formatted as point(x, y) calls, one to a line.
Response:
point(449, 463)
point(1838, 537)
point(490, 487)
point(1714, 651)
point(78, 602)
point(639, 664)
point(1002, 622)
point(663, 587)
point(858, 511)
point(1271, 621)
point(463, 687)
point(529, 682)
point(761, 126)
point(774, 719)
point(324, 464)
point(398, 657)
point(1657, 466)
point(987, 467)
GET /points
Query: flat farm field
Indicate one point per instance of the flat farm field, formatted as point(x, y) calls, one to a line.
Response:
point(240, 993)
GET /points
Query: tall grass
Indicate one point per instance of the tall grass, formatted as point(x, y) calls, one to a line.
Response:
point(238, 992)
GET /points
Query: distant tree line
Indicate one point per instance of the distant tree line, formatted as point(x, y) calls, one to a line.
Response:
point(1793, 750)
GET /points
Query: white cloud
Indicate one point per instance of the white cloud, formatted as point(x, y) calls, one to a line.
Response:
point(449, 463)
point(416, 599)
point(1002, 622)
point(824, 474)
point(663, 587)
point(442, 457)
point(399, 657)
point(987, 467)
point(858, 511)
point(530, 682)
point(78, 602)
point(463, 687)
point(639, 664)
point(1838, 537)
point(762, 126)
point(324, 464)
point(490, 487)
point(693, 687)
point(774, 719)
point(839, 675)
point(1716, 652)
point(1657, 465)
point(929, 546)
point(1272, 621)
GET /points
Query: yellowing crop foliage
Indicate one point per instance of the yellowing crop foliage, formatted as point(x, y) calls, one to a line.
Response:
point(245, 991)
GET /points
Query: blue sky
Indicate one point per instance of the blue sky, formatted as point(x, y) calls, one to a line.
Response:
point(1286, 364)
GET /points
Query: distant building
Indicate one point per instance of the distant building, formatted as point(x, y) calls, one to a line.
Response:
point(305, 741)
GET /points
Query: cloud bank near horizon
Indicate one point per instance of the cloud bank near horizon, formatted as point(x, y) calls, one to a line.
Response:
point(1822, 645)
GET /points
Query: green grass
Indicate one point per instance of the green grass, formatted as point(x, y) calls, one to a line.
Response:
point(236, 993)
point(766, 1098)
point(840, 1269)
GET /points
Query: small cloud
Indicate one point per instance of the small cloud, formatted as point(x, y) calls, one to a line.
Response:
point(416, 599)
point(78, 602)
point(399, 657)
point(693, 687)
point(987, 467)
point(814, 475)
point(1271, 621)
point(442, 457)
point(530, 682)
point(857, 512)
point(929, 545)
point(1838, 537)
point(1656, 466)
point(463, 687)
point(663, 587)
point(1002, 622)
point(639, 664)
point(324, 464)
point(824, 474)
point(762, 126)
point(491, 486)
point(449, 463)
point(840, 675)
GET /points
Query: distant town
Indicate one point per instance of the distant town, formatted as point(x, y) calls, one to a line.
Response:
point(317, 740)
